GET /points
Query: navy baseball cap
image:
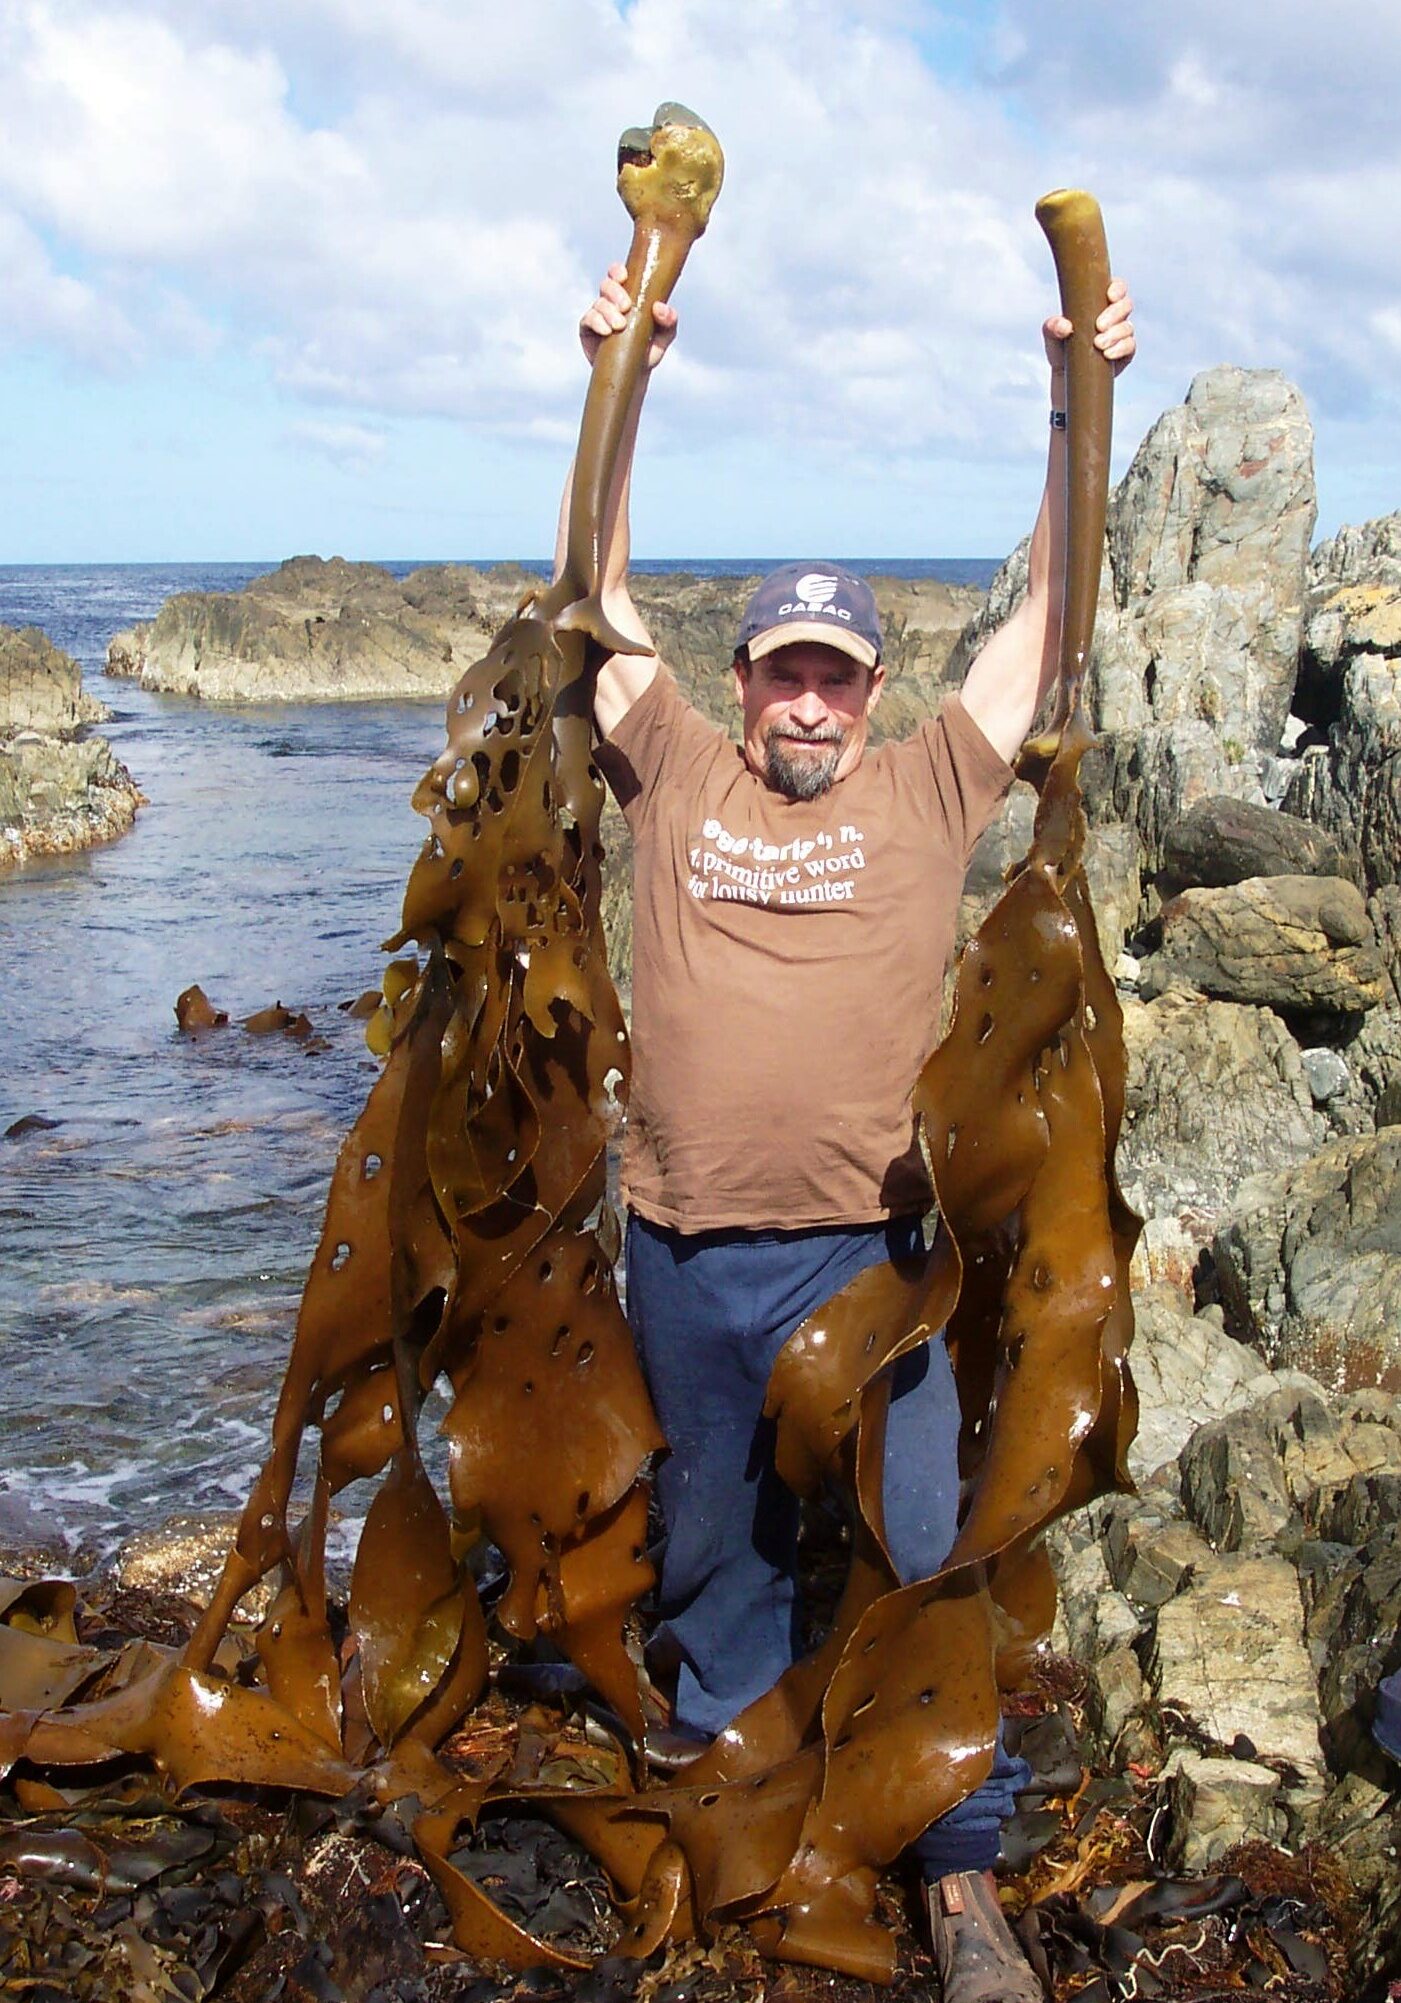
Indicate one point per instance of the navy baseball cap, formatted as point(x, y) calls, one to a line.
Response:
point(812, 601)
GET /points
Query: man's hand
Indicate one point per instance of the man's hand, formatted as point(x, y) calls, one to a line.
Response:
point(1114, 335)
point(609, 312)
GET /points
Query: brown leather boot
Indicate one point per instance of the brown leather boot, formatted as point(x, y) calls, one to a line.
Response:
point(978, 1956)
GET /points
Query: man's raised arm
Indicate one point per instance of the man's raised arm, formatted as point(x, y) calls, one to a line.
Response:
point(1009, 679)
point(622, 677)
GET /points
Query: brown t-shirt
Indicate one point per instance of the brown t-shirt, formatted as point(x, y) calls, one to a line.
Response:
point(788, 959)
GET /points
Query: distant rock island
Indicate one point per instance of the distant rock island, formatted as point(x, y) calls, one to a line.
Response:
point(60, 788)
point(324, 630)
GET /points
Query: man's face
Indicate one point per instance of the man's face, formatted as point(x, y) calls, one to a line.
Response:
point(806, 710)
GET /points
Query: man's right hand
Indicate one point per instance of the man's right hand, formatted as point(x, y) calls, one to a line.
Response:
point(609, 312)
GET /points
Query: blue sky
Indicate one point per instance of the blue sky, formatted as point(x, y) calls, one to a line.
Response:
point(286, 275)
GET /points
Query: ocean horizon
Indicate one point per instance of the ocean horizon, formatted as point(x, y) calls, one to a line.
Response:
point(946, 569)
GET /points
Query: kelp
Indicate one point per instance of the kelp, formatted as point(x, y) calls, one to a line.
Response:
point(468, 1239)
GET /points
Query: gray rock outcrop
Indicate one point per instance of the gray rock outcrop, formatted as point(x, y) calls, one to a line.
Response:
point(1217, 1803)
point(317, 630)
point(60, 789)
point(1308, 1260)
point(1229, 1653)
point(1208, 543)
point(41, 687)
point(1350, 685)
point(1201, 602)
point(1187, 1373)
point(1301, 943)
point(1216, 1092)
point(1222, 840)
point(1234, 1618)
point(1384, 910)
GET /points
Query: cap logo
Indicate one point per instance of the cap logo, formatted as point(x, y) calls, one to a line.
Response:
point(814, 593)
point(815, 590)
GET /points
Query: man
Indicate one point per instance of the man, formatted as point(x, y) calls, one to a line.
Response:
point(794, 906)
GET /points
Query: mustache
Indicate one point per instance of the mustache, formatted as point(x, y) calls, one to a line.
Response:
point(826, 733)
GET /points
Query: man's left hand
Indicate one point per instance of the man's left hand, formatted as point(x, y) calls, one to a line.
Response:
point(1114, 335)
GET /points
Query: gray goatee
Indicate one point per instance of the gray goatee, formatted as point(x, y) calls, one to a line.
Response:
point(803, 774)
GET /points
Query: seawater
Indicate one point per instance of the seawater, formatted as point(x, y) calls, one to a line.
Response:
point(156, 1230)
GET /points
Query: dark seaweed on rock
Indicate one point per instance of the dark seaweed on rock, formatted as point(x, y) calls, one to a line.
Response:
point(467, 1237)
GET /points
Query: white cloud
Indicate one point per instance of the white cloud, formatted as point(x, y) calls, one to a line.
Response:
point(350, 446)
point(43, 305)
point(431, 252)
point(400, 206)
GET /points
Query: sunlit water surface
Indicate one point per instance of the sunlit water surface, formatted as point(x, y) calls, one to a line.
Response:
point(156, 1237)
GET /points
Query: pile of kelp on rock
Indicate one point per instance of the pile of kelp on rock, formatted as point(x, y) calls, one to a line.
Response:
point(120, 1892)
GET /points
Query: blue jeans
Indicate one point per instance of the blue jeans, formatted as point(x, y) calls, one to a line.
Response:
point(1386, 1724)
point(710, 1313)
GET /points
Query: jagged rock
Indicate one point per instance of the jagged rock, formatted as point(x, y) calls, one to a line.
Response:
point(1187, 1372)
point(58, 791)
point(1308, 1261)
point(1200, 605)
point(1220, 497)
point(1363, 1507)
point(1371, 1098)
point(57, 796)
point(1371, 1407)
point(1116, 1694)
point(1355, 1623)
point(313, 630)
point(1233, 1485)
point(1152, 776)
point(1384, 910)
point(1374, 1449)
point(1217, 1803)
point(41, 687)
point(1312, 1447)
point(1223, 840)
point(1152, 1556)
point(1350, 684)
point(1168, 1254)
point(1352, 786)
point(1360, 553)
point(1275, 778)
point(1215, 1093)
point(1091, 1617)
point(126, 651)
point(1228, 1653)
point(1292, 942)
point(1360, 1823)
point(1113, 874)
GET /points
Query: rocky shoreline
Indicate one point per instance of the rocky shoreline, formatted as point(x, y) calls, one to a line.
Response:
point(1234, 1614)
point(61, 789)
